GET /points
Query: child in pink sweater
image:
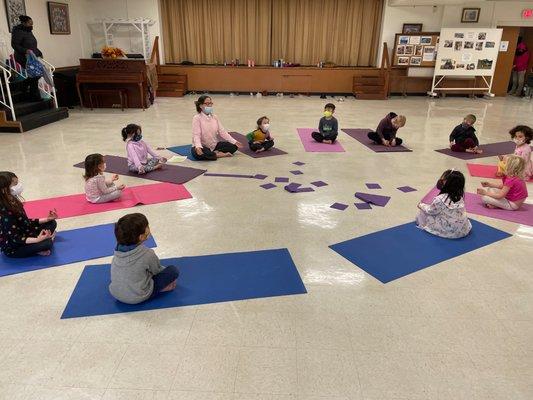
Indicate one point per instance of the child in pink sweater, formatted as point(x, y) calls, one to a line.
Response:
point(138, 151)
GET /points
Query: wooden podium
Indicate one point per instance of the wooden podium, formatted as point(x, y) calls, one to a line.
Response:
point(106, 83)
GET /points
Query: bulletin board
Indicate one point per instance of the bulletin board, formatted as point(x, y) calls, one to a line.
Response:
point(466, 52)
point(415, 49)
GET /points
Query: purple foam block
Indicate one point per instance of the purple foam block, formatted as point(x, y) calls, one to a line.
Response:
point(339, 206)
point(363, 206)
point(281, 179)
point(268, 186)
point(373, 186)
point(406, 189)
point(229, 175)
point(378, 200)
point(305, 189)
point(298, 163)
point(292, 187)
point(260, 176)
point(319, 183)
point(297, 172)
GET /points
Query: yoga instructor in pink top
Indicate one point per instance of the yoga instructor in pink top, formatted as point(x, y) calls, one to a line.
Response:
point(207, 132)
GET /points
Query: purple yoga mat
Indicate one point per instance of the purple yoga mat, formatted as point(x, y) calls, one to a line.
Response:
point(363, 206)
point(373, 198)
point(406, 189)
point(339, 206)
point(474, 205)
point(311, 145)
point(169, 173)
point(361, 136)
point(319, 183)
point(274, 151)
point(489, 150)
point(229, 175)
point(373, 186)
point(268, 186)
point(281, 179)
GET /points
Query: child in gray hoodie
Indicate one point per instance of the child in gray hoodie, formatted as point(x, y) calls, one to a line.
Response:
point(136, 273)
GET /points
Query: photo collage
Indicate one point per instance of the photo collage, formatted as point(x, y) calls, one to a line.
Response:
point(416, 50)
point(469, 45)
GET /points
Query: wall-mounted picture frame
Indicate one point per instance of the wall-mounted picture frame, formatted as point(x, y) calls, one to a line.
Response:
point(58, 18)
point(470, 15)
point(14, 8)
point(412, 28)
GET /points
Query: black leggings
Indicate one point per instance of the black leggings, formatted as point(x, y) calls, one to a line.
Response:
point(209, 155)
point(164, 278)
point(28, 250)
point(321, 137)
point(266, 145)
point(387, 136)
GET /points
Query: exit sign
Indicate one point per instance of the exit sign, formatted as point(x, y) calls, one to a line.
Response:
point(527, 13)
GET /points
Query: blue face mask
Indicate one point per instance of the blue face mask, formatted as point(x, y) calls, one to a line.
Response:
point(137, 137)
point(208, 110)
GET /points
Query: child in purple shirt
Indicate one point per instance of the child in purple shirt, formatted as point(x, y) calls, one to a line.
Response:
point(138, 151)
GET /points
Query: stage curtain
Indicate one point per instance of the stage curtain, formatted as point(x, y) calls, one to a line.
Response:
point(345, 32)
point(214, 31)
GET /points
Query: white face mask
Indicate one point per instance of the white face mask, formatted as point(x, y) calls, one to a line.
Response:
point(17, 189)
point(265, 127)
point(518, 142)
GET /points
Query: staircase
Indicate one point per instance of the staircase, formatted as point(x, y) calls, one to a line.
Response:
point(168, 84)
point(29, 114)
point(17, 114)
point(376, 86)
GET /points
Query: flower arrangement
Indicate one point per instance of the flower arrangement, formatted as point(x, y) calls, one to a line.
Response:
point(112, 52)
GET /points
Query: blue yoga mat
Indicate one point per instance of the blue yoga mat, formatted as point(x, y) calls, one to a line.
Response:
point(184, 150)
point(69, 247)
point(203, 280)
point(396, 252)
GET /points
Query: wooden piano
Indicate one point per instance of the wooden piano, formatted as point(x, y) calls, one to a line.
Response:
point(109, 79)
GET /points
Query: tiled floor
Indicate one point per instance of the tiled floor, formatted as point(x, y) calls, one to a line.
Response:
point(462, 329)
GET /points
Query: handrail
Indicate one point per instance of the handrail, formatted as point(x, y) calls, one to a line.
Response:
point(52, 92)
point(7, 101)
point(154, 57)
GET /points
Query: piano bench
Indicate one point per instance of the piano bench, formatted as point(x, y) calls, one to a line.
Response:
point(122, 94)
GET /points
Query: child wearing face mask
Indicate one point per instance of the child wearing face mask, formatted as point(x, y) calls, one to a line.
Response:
point(463, 137)
point(138, 151)
point(446, 215)
point(512, 192)
point(522, 136)
point(385, 133)
point(21, 236)
point(261, 139)
point(136, 273)
point(97, 188)
point(328, 127)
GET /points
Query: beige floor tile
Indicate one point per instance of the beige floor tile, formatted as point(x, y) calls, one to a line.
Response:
point(130, 394)
point(46, 393)
point(207, 368)
point(269, 329)
point(216, 328)
point(267, 370)
point(150, 367)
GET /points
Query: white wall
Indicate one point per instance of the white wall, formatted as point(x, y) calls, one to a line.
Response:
point(60, 50)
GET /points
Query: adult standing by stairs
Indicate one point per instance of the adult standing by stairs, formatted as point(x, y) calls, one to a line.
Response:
point(23, 42)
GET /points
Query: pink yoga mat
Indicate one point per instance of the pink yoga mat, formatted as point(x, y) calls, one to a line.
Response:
point(311, 145)
point(474, 205)
point(484, 171)
point(77, 204)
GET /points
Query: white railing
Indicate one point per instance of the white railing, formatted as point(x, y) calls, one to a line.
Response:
point(50, 90)
point(6, 99)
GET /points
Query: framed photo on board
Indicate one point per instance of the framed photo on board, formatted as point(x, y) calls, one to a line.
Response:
point(58, 18)
point(14, 8)
point(412, 28)
point(470, 14)
point(417, 49)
